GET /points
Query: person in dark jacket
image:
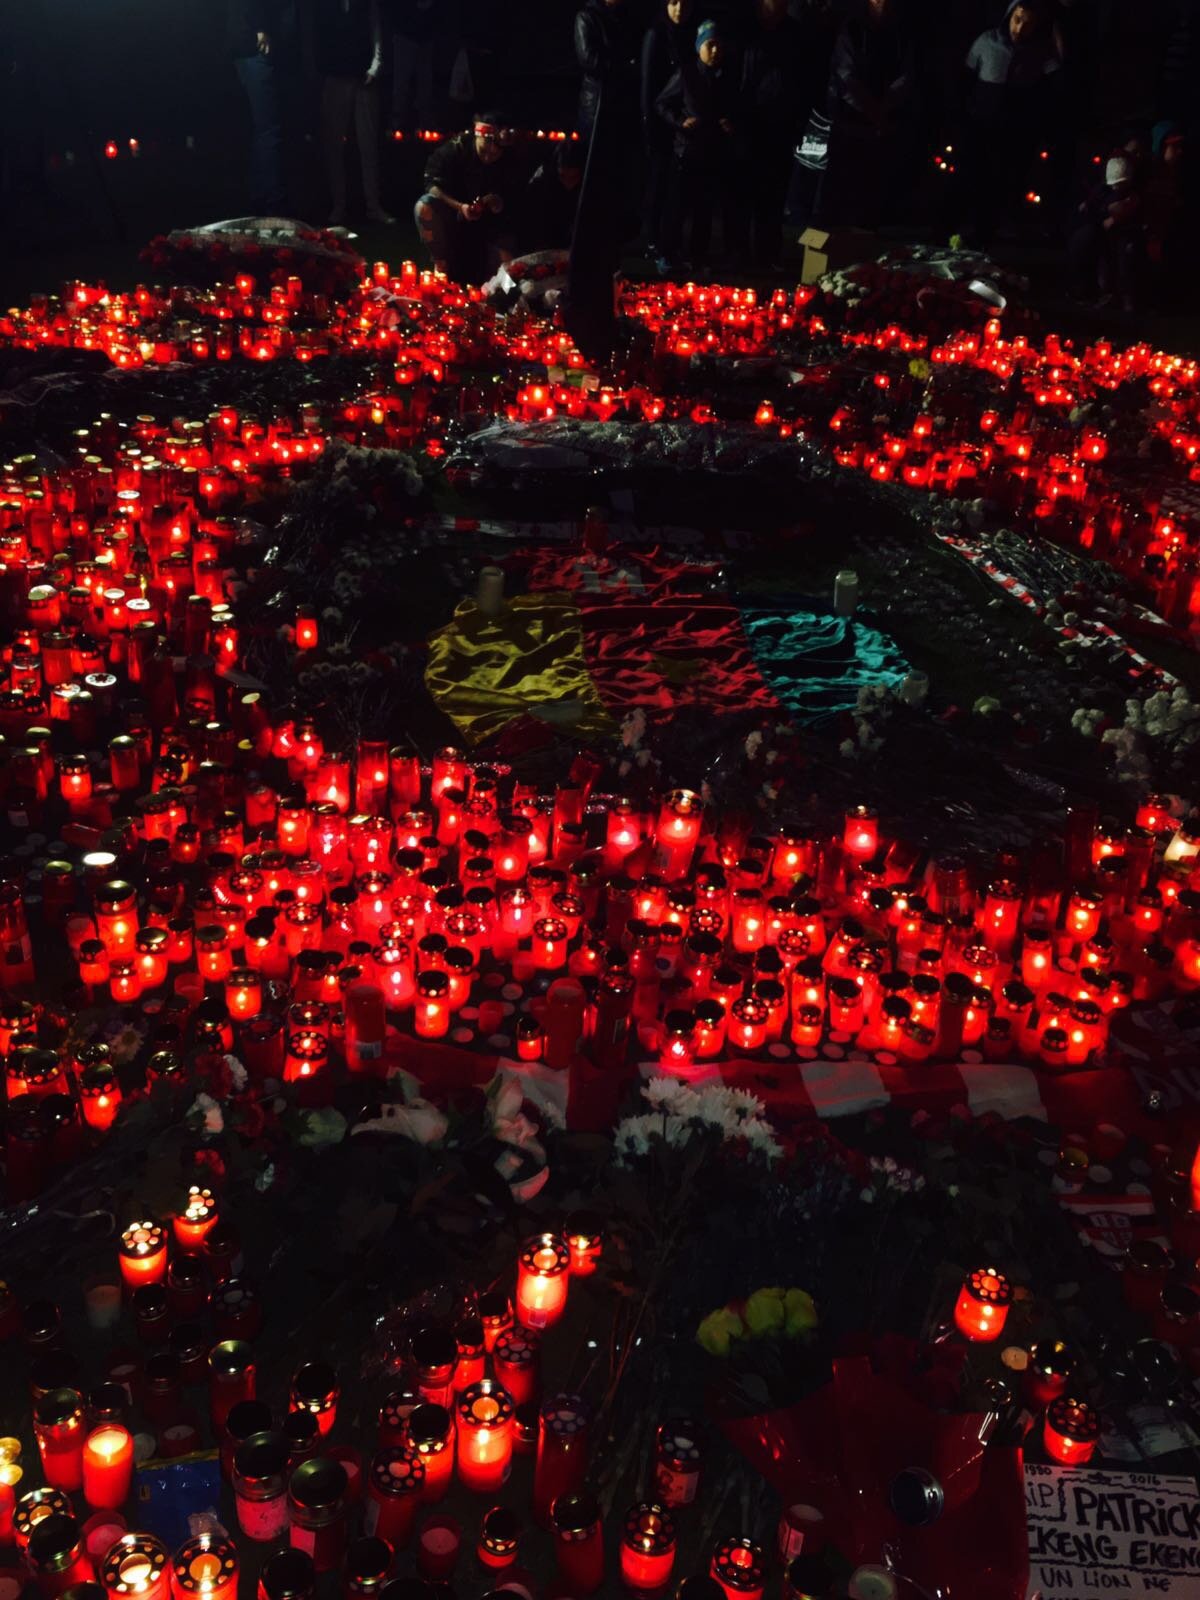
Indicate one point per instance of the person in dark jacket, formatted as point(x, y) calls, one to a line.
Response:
point(412, 63)
point(1107, 246)
point(670, 44)
point(256, 32)
point(775, 78)
point(872, 109)
point(1013, 71)
point(551, 201)
point(467, 214)
point(705, 105)
point(608, 44)
point(348, 50)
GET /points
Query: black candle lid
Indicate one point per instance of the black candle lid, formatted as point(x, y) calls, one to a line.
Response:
point(700, 1587)
point(300, 1429)
point(55, 1370)
point(231, 1357)
point(287, 1575)
point(57, 1405)
point(318, 1484)
point(53, 1537)
point(572, 1513)
point(368, 1560)
point(261, 1455)
point(248, 1417)
point(434, 1348)
point(428, 1425)
point(408, 1589)
point(108, 1402)
point(495, 1305)
point(84, 1591)
point(315, 1383)
point(501, 1528)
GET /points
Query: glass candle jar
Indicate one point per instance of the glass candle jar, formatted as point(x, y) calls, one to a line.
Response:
point(107, 1467)
point(543, 1273)
point(33, 1508)
point(1051, 1363)
point(549, 944)
point(485, 1436)
point(317, 1511)
point(431, 1435)
point(287, 1575)
point(395, 1488)
point(737, 1565)
point(585, 1241)
point(143, 1253)
point(135, 1569)
point(57, 1555)
point(195, 1218)
point(394, 1413)
point(982, 1305)
point(205, 1568)
point(562, 1452)
point(647, 1548)
point(368, 1566)
point(315, 1388)
point(496, 1316)
point(232, 1375)
point(578, 1542)
point(432, 1011)
point(435, 1356)
point(58, 1422)
point(260, 1466)
point(245, 1420)
point(470, 1364)
point(678, 1457)
point(516, 1361)
point(1071, 1431)
point(499, 1537)
point(747, 1025)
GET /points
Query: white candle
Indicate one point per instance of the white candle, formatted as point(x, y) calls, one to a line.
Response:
point(845, 592)
point(489, 597)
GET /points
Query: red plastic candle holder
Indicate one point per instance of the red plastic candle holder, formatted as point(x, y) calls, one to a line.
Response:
point(648, 1545)
point(1071, 1431)
point(143, 1253)
point(485, 1436)
point(205, 1568)
point(543, 1273)
point(107, 1466)
point(135, 1569)
point(737, 1565)
point(982, 1305)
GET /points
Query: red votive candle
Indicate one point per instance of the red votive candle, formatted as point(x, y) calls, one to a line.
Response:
point(107, 1467)
point(193, 1223)
point(395, 1486)
point(578, 1543)
point(678, 1457)
point(438, 1546)
point(232, 1377)
point(135, 1569)
point(143, 1254)
point(431, 1435)
point(317, 1511)
point(1051, 1363)
point(982, 1305)
point(496, 1315)
point(315, 1388)
point(860, 841)
point(585, 1241)
point(58, 1422)
point(516, 1361)
point(543, 1273)
point(35, 1507)
point(1071, 1431)
point(260, 1466)
point(647, 1547)
point(485, 1436)
point(499, 1537)
point(562, 1452)
point(57, 1556)
point(205, 1568)
point(737, 1565)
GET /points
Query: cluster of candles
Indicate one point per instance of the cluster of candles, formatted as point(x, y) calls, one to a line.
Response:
point(1018, 447)
point(216, 863)
point(469, 1402)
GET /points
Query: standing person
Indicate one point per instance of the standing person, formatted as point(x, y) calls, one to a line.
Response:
point(412, 63)
point(670, 44)
point(255, 31)
point(871, 108)
point(348, 47)
point(1012, 73)
point(551, 200)
point(467, 215)
point(608, 45)
point(705, 105)
point(775, 84)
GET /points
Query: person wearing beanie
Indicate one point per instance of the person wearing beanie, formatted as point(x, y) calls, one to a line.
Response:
point(1107, 247)
point(1013, 108)
point(705, 107)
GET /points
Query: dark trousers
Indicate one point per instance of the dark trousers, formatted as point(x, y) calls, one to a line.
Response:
point(260, 80)
point(1107, 259)
point(704, 183)
point(771, 171)
point(471, 251)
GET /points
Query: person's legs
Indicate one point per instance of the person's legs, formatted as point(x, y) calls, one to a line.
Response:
point(699, 191)
point(445, 236)
point(772, 170)
point(674, 205)
point(366, 131)
point(337, 112)
point(260, 86)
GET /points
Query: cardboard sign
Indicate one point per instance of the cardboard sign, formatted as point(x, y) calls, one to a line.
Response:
point(1117, 1533)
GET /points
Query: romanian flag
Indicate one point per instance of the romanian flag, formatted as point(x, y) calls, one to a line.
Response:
point(599, 635)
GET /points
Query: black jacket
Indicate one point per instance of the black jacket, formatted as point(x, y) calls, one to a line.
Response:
point(608, 46)
point(776, 78)
point(665, 49)
point(244, 21)
point(345, 33)
point(710, 97)
point(874, 69)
